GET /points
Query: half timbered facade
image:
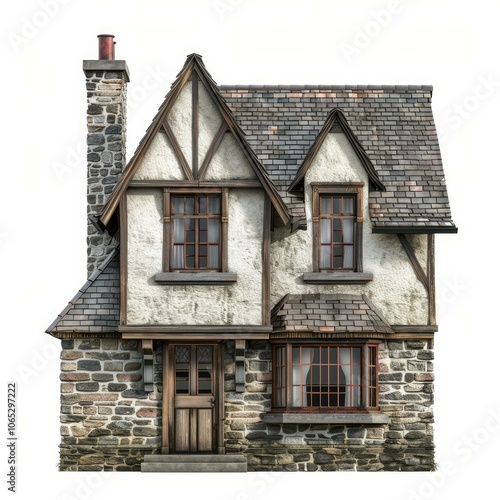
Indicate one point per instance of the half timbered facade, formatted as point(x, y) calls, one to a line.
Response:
point(261, 280)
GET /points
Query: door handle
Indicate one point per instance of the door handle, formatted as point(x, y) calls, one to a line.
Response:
point(212, 401)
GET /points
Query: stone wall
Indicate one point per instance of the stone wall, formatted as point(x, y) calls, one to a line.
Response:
point(108, 422)
point(406, 443)
point(106, 122)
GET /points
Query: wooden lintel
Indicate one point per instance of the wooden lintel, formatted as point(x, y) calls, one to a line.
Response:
point(195, 184)
point(195, 336)
point(246, 329)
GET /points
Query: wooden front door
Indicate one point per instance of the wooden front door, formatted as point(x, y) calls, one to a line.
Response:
point(192, 394)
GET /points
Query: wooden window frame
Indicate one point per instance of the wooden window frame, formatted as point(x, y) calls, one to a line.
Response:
point(340, 189)
point(282, 399)
point(168, 193)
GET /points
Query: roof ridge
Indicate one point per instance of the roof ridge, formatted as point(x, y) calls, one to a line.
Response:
point(407, 87)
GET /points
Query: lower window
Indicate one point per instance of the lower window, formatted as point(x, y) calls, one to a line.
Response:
point(327, 376)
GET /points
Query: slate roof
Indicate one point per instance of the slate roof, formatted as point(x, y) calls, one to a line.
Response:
point(393, 124)
point(96, 306)
point(337, 313)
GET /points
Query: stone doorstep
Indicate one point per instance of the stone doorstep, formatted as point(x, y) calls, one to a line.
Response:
point(194, 463)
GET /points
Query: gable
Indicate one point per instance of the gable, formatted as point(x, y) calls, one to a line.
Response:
point(336, 161)
point(200, 128)
point(336, 123)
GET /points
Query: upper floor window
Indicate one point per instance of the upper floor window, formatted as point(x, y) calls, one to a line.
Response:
point(196, 232)
point(337, 220)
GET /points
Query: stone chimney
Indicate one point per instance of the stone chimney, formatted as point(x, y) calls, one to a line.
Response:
point(106, 80)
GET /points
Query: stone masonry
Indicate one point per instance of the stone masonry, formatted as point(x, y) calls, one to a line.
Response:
point(106, 125)
point(406, 388)
point(108, 422)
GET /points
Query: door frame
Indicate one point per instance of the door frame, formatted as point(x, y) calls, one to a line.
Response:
point(168, 407)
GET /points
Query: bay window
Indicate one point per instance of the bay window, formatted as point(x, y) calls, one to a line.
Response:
point(327, 377)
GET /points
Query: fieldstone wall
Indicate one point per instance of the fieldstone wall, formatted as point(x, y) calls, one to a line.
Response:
point(106, 122)
point(406, 443)
point(108, 422)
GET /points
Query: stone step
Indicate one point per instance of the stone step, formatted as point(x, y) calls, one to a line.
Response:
point(195, 458)
point(194, 463)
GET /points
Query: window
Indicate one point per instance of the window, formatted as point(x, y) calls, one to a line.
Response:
point(196, 232)
point(337, 226)
point(327, 377)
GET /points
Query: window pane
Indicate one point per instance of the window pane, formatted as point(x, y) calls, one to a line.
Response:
point(334, 379)
point(178, 205)
point(189, 205)
point(356, 355)
point(324, 355)
point(325, 257)
point(337, 230)
point(337, 205)
point(348, 230)
point(202, 256)
point(348, 257)
point(190, 230)
point(345, 355)
point(213, 230)
point(326, 205)
point(338, 258)
point(214, 205)
point(213, 253)
point(356, 396)
point(178, 257)
point(326, 231)
point(190, 256)
point(348, 206)
point(296, 355)
point(178, 231)
point(203, 230)
point(203, 205)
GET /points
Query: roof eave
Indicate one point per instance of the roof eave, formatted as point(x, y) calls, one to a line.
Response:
point(451, 229)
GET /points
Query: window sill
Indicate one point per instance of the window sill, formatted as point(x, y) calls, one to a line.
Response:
point(325, 418)
point(196, 278)
point(337, 278)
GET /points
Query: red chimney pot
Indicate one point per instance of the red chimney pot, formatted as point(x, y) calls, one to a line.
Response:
point(106, 47)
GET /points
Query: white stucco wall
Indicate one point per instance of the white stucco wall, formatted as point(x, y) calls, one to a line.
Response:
point(180, 119)
point(229, 162)
point(160, 162)
point(394, 289)
point(209, 121)
point(151, 303)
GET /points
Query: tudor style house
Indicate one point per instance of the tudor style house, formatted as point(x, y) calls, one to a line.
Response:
point(261, 279)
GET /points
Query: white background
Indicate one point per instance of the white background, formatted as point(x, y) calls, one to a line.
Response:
point(452, 45)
